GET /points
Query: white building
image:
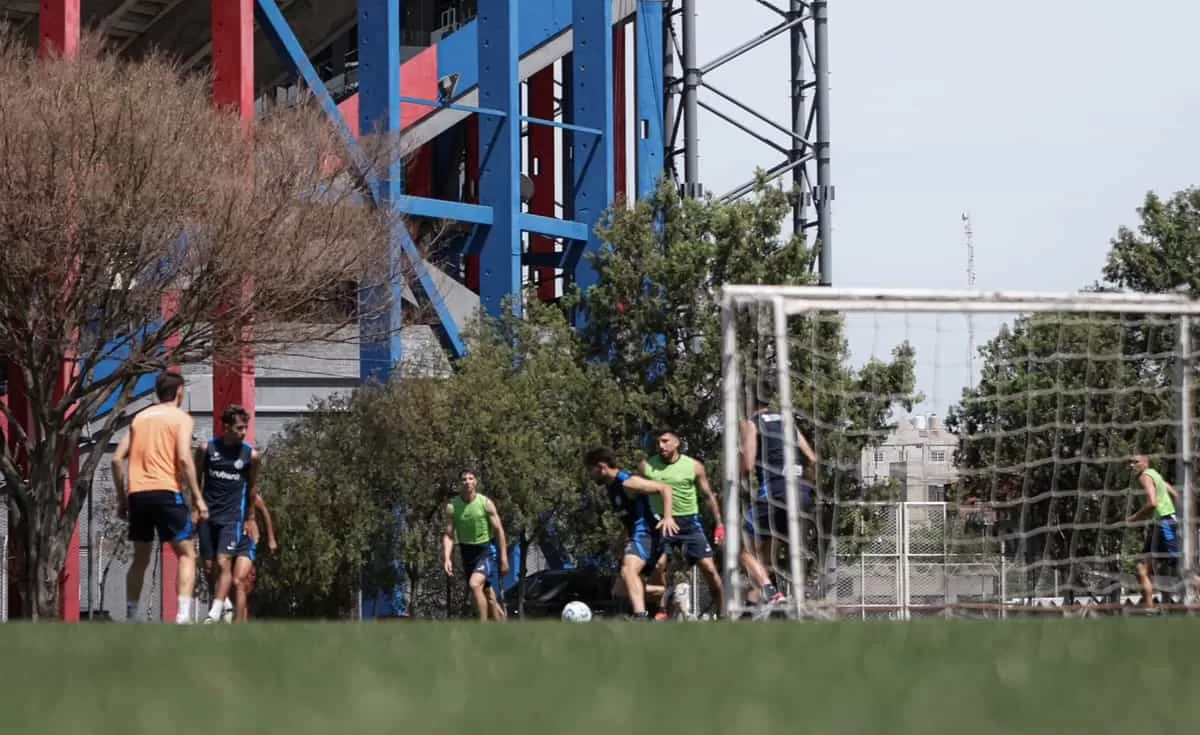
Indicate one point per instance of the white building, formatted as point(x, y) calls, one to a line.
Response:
point(919, 453)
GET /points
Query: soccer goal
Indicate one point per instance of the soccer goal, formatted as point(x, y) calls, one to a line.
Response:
point(976, 453)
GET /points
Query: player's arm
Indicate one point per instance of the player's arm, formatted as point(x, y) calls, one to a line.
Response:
point(501, 539)
point(1151, 499)
point(806, 448)
point(448, 540)
point(260, 506)
point(120, 456)
point(642, 486)
point(187, 468)
point(252, 477)
point(710, 497)
point(749, 446)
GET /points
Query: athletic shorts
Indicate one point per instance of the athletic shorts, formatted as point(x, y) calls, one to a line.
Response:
point(767, 515)
point(481, 559)
point(645, 546)
point(224, 537)
point(1162, 538)
point(690, 540)
point(159, 511)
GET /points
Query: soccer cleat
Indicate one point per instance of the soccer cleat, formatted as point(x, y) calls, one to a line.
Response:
point(660, 615)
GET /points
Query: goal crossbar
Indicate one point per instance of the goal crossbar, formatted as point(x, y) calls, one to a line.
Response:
point(801, 299)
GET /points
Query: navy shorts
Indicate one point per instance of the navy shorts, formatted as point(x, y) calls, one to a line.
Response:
point(767, 515)
point(690, 540)
point(645, 546)
point(481, 559)
point(1162, 539)
point(159, 511)
point(220, 537)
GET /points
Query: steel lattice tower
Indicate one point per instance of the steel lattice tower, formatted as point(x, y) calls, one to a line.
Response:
point(802, 144)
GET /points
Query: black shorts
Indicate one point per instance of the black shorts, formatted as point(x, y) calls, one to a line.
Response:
point(1162, 539)
point(161, 511)
point(481, 559)
point(767, 515)
point(690, 540)
point(224, 537)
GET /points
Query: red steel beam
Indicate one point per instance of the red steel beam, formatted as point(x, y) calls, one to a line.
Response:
point(58, 37)
point(233, 87)
point(620, 135)
point(542, 170)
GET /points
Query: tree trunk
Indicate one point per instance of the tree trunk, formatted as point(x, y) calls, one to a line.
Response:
point(46, 550)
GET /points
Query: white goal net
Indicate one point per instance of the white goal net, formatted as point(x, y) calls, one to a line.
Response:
point(976, 453)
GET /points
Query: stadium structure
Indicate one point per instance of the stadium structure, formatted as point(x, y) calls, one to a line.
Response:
point(526, 120)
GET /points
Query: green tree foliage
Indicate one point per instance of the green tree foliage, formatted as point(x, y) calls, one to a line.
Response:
point(1064, 401)
point(655, 316)
point(520, 409)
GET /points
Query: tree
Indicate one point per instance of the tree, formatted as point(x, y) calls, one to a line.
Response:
point(142, 228)
point(1064, 401)
point(655, 316)
point(519, 408)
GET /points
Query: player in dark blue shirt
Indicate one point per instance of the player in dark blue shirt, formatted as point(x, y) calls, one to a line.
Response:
point(762, 438)
point(629, 499)
point(228, 470)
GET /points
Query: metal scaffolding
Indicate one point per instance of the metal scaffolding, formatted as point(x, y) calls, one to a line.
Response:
point(802, 145)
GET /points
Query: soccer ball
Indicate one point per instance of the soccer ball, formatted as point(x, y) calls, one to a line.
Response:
point(576, 612)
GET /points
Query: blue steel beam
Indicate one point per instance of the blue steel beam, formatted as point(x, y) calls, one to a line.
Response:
point(500, 156)
point(648, 81)
point(379, 113)
point(281, 36)
point(592, 107)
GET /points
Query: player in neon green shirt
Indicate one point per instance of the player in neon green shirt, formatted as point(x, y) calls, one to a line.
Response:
point(687, 480)
point(472, 518)
point(1162, 539)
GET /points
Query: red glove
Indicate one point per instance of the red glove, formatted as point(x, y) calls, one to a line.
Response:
point(719, 535)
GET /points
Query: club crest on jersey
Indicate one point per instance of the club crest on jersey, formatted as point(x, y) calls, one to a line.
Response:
point(238, 464)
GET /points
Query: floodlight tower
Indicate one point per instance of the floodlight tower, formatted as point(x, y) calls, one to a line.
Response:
point(803, 143)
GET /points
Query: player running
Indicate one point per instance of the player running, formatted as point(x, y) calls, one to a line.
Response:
point(684, 475)
point(229, 471)
point(158, 450)
point(762, 459)
point(629, 497)
point(1162, 539)
point(473, 519)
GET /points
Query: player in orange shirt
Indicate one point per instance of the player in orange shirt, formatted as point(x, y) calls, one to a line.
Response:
point(159, 452)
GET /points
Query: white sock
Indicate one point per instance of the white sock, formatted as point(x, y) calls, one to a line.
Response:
point(215, 611)
point(131, 610)
point(228, 604)
point(185, 609)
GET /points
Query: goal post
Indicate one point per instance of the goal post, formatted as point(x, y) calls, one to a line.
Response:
point(1050, 399)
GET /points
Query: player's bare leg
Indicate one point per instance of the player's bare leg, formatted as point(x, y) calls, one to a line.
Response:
point(135, 576)
point(1146, 579)
point(185, 580)
point(495, 609)
point(242, 568)
point(631, 583)
point(223, 571)
point(475, 584)
point(708, 568)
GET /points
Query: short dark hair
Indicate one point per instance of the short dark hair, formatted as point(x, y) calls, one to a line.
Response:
point(667, 430)
point(167, 385)
point(468, 471)
point(233, 412)
point(600, 455)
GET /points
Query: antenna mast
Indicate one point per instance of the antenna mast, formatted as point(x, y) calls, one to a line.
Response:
point(970, 237)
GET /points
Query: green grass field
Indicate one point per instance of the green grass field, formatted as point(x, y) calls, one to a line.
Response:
point(1128, 676)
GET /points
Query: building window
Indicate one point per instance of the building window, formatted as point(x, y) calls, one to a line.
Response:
point(936, 493)
point(878, 455)
point(937, 455)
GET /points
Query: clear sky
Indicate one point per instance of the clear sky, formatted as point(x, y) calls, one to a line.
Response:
point(1047, 122)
